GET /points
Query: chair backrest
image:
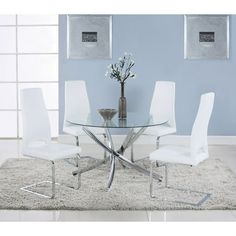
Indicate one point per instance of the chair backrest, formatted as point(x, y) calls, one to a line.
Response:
point(76, 100)
point(163, 102)
point(36, 125)
point(199, 144)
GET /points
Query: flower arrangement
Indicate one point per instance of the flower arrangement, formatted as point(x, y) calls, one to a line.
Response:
point(121, 70)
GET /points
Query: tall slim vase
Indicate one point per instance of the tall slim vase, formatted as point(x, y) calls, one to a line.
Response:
point(122, 103)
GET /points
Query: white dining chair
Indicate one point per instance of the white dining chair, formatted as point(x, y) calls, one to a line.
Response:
point(162, 109)
point(37, 137)
point(193, 155)
point(77, 105)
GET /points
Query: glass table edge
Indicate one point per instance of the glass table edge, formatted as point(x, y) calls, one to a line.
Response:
point(117, 127)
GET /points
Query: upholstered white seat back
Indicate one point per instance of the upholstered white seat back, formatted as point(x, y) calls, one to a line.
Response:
point(199, 144)
point(76, 99)
point(163, 102)
point(36, 124)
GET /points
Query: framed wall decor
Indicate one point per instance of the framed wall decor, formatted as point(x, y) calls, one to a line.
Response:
point(206, 37)
point(89, 36)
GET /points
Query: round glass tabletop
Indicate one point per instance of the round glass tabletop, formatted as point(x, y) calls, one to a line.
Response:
point(133, 120)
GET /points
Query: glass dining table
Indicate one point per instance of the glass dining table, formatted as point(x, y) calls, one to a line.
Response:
point(135, 124)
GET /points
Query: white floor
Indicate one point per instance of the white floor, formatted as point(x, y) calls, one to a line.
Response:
point(11, 149)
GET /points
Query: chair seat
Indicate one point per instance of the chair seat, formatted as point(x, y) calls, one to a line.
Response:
point(160, 130)
point(77, 130)
point(177, 154)
point(52, 151)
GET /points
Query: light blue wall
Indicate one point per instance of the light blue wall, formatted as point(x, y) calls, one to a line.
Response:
point(157, 44)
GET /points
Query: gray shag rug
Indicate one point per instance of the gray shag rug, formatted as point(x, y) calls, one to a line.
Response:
point(130, 189)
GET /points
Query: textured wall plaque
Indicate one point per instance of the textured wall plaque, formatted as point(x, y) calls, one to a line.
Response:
point(89, 36)
point(206, 37)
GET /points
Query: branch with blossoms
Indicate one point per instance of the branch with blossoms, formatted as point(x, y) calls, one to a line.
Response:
point(121, 70)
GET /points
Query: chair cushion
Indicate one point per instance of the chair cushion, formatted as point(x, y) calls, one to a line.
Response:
point(52, 151)
point(176, 154)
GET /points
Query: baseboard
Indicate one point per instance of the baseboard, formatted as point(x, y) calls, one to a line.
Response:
point(144, 139)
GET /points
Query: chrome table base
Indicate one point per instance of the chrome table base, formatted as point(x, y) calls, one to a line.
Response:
point(119, 154)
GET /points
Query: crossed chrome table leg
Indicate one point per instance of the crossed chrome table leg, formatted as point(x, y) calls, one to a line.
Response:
point(113, 155)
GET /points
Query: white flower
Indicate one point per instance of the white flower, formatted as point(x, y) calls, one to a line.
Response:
point(121, 69)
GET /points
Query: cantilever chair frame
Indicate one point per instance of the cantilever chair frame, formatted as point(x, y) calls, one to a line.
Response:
point(53, 182)
point(205, 197)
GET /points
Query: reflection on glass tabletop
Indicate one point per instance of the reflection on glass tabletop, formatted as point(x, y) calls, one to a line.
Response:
point(133, 120)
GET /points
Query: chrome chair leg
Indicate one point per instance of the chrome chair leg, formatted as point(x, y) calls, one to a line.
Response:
point(53, 185)
point(77, 140)
point(132, 152)
point(166, 176)
point(77, 160)
point(79, 181)
point(157, 147)
point(151, 181)
point(157, 142)
point(79, 174)
point(105, 152)
point(53, 180)
point(198, 204)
